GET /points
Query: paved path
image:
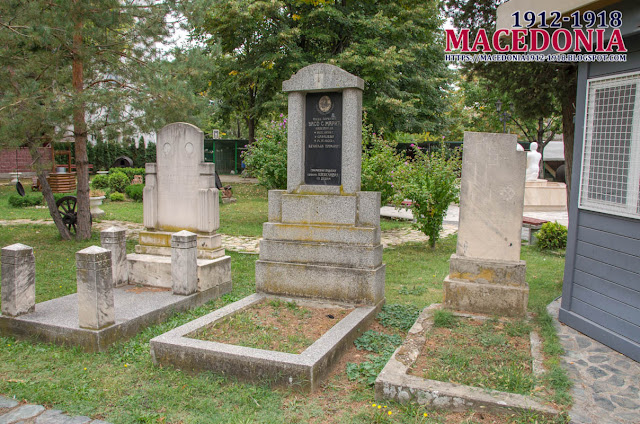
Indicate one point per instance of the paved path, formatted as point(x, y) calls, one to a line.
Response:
point(11, 411)
point(606, 384)
point(453, 215)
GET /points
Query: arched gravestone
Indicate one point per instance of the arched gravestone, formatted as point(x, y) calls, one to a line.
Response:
point(180, 194)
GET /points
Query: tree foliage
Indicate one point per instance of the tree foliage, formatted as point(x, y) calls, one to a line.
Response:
point(395, 46)
point(543, 94)
point(71, 68)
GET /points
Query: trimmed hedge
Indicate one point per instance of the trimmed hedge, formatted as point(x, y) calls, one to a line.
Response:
point(18, 201)
point(118, 182)
point(100, 182)
point(116, 197)
point(134, 192)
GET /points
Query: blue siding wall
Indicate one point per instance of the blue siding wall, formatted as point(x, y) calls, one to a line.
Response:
point(601, 290)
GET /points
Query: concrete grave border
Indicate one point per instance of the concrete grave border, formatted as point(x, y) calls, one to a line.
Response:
point(56, 321)
point(305, 370)
point(395, 382)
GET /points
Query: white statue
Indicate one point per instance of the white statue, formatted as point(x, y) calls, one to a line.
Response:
point(533, 162)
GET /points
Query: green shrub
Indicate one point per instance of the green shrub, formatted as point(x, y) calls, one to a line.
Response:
point(100, 182)
point(116, 197)
point(134, 192)
point(552, 236)
point(118, 182)
point(130, 172)
point(431, 181)
point(266, 158)
point(18, 201)
point(379, 163)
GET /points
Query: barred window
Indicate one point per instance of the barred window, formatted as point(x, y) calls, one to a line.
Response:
point(610, 180)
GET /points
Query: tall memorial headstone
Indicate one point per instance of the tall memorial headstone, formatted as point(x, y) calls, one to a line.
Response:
point(322, 239)
point(486, 274)
point(180, 194)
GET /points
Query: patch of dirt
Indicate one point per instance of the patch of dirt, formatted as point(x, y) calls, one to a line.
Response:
point(274, 325)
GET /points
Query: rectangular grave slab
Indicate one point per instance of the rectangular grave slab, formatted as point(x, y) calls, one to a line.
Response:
point(56, 320)
point(304, 371)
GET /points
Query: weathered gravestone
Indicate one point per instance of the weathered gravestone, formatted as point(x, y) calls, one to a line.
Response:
point(323, 235)
point(180, 194)
point(486, 274)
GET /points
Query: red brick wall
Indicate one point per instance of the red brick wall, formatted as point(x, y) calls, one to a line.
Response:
point(8, 159)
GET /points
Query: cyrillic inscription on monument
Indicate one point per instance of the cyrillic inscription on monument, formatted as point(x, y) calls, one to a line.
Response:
point(323, 139)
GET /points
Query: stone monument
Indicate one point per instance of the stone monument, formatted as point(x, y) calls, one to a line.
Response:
point(180, 194)
point(533, 162)
point(540, 194)
point(321, 245)
point(486, 274)
point(322, 239)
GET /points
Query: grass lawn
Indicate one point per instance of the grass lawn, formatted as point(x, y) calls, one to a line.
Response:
point(242, 218)
point(123, 386)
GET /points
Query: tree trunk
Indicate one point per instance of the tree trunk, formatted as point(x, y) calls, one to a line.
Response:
point(48, 194)
point(251, 128)
point(80, 133)
point(569, 80)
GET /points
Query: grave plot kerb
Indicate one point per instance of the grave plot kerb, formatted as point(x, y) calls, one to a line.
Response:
point(395, 382)
point(305, 370)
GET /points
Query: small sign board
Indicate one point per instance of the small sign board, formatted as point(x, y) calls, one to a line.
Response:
point(215, 134)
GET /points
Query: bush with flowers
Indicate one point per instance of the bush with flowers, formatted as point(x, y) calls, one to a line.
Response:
point(431, 180)
point(380, 161)
point(266, 158)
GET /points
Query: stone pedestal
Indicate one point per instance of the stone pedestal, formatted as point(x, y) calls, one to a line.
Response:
point(18, 280)
point(184, 266)
point(486, 274)
point(115, 240)
point(543, 195)
point(95, 288)
point(488, 287)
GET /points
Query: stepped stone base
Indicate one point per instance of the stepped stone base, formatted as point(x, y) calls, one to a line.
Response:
point(487, 287)
point(154, 270)
point(351, 285)
point(159, 243)
point(322, 246)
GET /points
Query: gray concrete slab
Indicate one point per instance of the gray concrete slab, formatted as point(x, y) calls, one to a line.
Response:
point(305, 370)
point(21, 413)
point(56, 320)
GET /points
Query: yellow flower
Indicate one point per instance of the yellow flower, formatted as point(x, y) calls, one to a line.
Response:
point(389, 412)
point(234, 72)
point(374, 405)
point(379, 406)
point(296, 17)
point(85, 368)
point(126, 365)
point(425, 415)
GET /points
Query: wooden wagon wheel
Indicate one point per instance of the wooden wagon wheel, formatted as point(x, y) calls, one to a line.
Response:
point(67, 206)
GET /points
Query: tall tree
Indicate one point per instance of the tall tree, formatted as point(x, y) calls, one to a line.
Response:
point(395, 46)
point(84, 66)
point(538, 90)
